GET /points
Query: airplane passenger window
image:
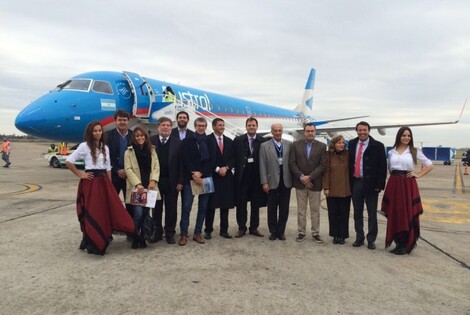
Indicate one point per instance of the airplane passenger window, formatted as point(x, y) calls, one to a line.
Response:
point(102, 87)
point(79, 84)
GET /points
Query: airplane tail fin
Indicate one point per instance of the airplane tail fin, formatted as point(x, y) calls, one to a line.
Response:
point(305, 106)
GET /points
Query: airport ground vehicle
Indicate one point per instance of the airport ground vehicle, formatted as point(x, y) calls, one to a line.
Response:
point(58, 160)
point(445, 154)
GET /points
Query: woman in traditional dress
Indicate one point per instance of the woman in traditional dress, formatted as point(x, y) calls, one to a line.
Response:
point(337, 190)
point(99, 208)
point(142, 171)
point(401, 202)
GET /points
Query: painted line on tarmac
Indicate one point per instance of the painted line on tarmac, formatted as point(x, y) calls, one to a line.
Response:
point(29, 188)
point(458, 180)
point(38, 212)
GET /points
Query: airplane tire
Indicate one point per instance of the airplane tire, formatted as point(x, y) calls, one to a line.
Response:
point(55, 162)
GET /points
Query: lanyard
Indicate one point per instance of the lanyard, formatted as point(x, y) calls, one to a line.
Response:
point(278, 149)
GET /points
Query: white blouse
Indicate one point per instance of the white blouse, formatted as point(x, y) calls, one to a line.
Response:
point(404, 161)
point(83, 152)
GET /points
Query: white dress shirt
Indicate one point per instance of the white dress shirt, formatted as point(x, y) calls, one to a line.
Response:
point(83, 152)
point(404, 161)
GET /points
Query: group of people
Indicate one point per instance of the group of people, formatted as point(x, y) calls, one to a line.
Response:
point(250, 168)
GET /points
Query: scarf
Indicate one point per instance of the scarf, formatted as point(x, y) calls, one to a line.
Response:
point(144, 158)
point(202, 144)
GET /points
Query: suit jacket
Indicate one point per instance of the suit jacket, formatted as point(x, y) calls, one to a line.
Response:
point(336, 175)
point(112, 140)
point(224, 185)
point(131, 165)
point(313, 165)
point(191, 160)
point(174, 159)
point(269, 170)
point(242, 153)
point(374, 163)
point(175, 133)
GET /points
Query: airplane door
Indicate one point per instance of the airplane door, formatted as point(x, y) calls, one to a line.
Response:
point(143, 94)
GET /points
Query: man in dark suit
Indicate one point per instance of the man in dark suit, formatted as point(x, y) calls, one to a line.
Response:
point(118, 140)
point(182, 131)
point(222, 148)
point(247, 182)
point(307, 162)
point(170, 182)
point(198, 163)
point(368, 171)
point(276, 179)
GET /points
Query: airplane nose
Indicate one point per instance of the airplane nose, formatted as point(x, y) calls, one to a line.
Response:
point(31, 120)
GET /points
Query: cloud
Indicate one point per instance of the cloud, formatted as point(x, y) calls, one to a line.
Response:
point(390, 60)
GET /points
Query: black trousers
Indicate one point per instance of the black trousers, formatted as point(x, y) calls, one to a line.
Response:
point(245, 193)
point(169, 201)
point(278, 208)
point(371, 200)
point(209, 222)
point(338, 216)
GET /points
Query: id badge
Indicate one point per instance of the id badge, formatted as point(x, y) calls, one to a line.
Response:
point(279, 160)
point(250, 160)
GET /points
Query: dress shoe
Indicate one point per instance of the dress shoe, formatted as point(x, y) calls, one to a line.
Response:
point(155, 237)
point(199, 239)
point(143, 243)
point(400, 250)
point(256, 233)
point(240, 233)
point(135, 244)
point(335, 240)
point(225, 235)
point(282, 237)
point(341, 241)
point(170, 239)
point(358, 243)
point(371, 245)
point(83, 244)
point(272, 237)
point(183, 240)
point(207, 236)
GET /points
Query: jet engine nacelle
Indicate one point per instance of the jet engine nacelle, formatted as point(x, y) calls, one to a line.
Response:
point(381, 131)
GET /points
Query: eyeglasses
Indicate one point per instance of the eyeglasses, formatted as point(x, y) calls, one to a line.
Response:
point(200, 126)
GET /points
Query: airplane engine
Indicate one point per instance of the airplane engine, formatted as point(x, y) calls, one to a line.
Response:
point(332, 134)
point(381, 131)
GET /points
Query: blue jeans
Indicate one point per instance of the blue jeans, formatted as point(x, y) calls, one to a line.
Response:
point(203, 201)
point(6, 157)
point(138, 215)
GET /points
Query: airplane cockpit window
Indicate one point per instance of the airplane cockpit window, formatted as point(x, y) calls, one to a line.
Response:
point(102, 87)
point(76, 84)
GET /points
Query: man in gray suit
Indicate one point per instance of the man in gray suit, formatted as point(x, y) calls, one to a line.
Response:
point(307, 161)
point(276, 180)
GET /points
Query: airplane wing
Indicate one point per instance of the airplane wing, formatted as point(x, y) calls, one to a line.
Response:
point(381, 128)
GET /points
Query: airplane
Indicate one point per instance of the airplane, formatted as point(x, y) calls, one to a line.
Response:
point(64, 112)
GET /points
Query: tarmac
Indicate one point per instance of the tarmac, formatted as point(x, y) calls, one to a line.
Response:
point(42, 271)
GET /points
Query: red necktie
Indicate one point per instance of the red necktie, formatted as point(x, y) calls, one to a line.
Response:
point(357, 166)
point(221, 145)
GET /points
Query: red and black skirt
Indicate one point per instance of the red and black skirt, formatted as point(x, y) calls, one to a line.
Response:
point(100, 212)
point(402, 206)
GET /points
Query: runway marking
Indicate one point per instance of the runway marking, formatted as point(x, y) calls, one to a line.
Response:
point(28, 189)
point(438, 210)
point(458, 180)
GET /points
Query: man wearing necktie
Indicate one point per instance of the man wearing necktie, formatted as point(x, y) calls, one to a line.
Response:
point(307, 162)
point(247, 182)
point(170, 183)
point(368, 171)
point(276, 180)
point(223, 197)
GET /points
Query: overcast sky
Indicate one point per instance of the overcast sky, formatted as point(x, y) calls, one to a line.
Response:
point(397, 61)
